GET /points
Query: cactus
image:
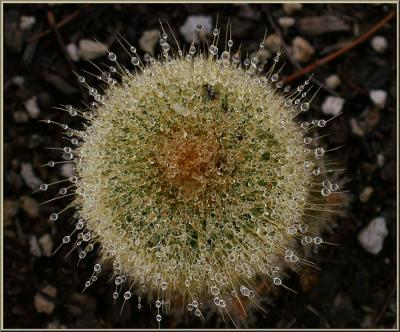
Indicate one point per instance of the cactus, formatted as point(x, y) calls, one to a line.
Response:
point(194, 175)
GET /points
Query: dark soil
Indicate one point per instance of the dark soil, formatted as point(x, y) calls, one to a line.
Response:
point(352, 289)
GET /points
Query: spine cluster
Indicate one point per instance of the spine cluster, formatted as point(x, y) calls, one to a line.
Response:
point(194, 175)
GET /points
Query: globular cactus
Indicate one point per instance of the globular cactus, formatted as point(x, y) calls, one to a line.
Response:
point(194, 175)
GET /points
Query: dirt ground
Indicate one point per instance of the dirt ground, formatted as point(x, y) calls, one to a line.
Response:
point(352, 289)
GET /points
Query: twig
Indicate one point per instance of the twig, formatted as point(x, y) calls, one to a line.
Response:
point(383, 310)
point(344, 49)
point(52, 22)
point(58, 25)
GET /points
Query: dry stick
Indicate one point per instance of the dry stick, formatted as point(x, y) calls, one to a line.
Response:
point(58, 25)
point(51, 20)
point(344, 49)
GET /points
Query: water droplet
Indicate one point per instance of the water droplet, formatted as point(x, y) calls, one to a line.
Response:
point(305, 107)
point(317, 240)
point(112, 56)
point(334, 187)
point(277, 281)
point(66, 239)
point(53, 216)
point(192, 50)
point(325, 192)
point(166, 47)
point(225, 56)
point(236, 58)
point(213, 49)
point(62, 191)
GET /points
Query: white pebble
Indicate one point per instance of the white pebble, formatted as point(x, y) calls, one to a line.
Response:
point(380, 160)
point(34, 246)
point(372, 236)
point(332, 105)
point(67, 170)
point(46, 243)
point(290, 8)
point(90, 49)
point(379, 44)
point(20, 116)
point(29, 176)
point(286, 22)
point(18, 81)
point(32, 107)
point(190, 25)
point(149, 40)
point(73, 51)
point(332, 81)
point(378, 97)
point(27, 22)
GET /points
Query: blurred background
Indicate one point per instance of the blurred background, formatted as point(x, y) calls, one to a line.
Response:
point(356, 284)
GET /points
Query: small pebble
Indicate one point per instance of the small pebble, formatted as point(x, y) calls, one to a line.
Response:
point(286, 22)
point(31, 180)
point(90, 49)
point(273, 42)
point(66, 170)
point(372, 236)
point(20, 116)
point(27, 22)
point(46, 244)
point(302, 49)
point(366, 194)
point(290, 8)
point(34, 246)
point(356, 128)
point(379, 44)
point(190, 25)
point(10, 210)
point(32, 107)
point(55, 325)
point(332, 81)
point(18, 81)
point(44, 304)
point(332, 105)
point(149, 40)
point(29, 206)
point(73, 51)
point(380, 160)
point(378, 97)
